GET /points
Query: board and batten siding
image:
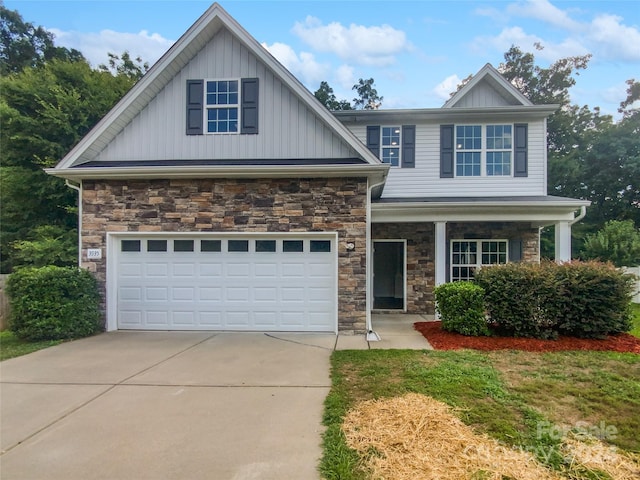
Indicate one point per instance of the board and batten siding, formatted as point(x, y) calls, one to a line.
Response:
point(424, 179)
point(287, 128)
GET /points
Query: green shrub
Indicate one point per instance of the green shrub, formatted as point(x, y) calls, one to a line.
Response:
point(461, 308)
point(596, 300)
point(579, 299)
point(52, 303)
point(517, 297)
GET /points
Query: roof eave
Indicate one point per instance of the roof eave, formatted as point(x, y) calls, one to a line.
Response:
point(364, 116)
point(376, 172)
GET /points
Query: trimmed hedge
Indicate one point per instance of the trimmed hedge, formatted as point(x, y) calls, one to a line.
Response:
point(53, 303)
point(589, 300)
point(461, 308)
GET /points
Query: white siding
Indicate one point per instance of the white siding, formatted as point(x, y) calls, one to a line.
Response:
point(482, 95)
point(287, 128)
point(424, 180)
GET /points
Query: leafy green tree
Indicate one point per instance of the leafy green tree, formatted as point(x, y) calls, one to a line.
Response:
point(368, 98)
point(49, 245)
point(326, 96)
point(629, 106)
point(618, 242)
point(47, 105)
point(24, 45)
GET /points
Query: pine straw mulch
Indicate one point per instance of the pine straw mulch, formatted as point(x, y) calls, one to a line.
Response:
point(443, 340)
point(417, 437)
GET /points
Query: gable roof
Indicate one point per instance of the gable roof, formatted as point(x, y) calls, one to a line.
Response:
point(168, 66)
point(495, 80)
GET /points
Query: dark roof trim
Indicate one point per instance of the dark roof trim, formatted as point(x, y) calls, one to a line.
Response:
point(223, 163)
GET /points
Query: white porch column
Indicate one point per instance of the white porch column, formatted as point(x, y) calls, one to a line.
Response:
point(441, 252)
point(563, 241)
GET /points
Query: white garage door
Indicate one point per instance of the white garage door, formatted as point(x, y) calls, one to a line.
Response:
point(283, 283)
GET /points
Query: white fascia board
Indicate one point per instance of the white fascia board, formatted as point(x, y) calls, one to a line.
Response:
point(374, 172)
point(539, 212)
point(444, 114)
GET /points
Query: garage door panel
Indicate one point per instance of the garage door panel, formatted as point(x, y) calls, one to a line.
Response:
point(219, 289)
point(184, 270)
point(210, 270)
point(156, 294)
point(157, 318)
point(210, 294)
point(182, 294)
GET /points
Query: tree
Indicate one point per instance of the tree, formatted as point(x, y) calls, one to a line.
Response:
point(618, 242)
point(23, 45)
point(326, 96)
point(124, 65)
point(368, 98)
point(48, 104)
point(629, 106)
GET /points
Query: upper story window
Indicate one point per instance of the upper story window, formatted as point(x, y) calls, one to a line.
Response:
point(391, 146)
point(395, 145)
point(222, 107)
point(483, 150)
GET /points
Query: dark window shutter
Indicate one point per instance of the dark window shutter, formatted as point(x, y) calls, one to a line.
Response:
point(195, 99)
point(249, 106)
point(515, 250)
point(520, 163)
point(373, 139)
point(408, 146)
point(446, 151)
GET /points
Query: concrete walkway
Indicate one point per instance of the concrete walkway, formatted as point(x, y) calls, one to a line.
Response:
point(175, 405)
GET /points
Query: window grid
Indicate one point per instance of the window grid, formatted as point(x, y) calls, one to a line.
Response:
point(465, 260)
point(391, 145)
point(222, 106)
point(479, 146)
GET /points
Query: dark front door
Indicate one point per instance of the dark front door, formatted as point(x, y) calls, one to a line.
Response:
point(388, 275)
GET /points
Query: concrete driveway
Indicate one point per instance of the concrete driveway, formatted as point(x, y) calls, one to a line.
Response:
point(161, 405)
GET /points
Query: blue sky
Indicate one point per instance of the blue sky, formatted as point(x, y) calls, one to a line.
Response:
point(417, 51)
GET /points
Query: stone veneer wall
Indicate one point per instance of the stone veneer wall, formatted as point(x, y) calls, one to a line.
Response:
point(238, 205)
point(420, 262)
point(421, 249)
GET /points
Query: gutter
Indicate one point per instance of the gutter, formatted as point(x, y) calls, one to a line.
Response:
point(78, 188)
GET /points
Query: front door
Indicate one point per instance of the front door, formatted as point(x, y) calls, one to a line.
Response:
point(389, 274)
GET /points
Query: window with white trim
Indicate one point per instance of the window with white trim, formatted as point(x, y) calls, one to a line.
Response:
point(391, 145)
point(483, 150)
point(222, 106)
point(468, 256)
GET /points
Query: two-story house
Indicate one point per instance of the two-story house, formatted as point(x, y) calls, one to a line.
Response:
point(219, 194)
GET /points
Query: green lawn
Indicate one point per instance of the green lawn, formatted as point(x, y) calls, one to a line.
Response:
point(11, 346)
point(515, 397)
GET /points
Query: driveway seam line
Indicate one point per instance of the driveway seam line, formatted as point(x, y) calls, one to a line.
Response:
point(297, 343)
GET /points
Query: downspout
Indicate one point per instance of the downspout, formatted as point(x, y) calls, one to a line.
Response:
point(371, 335)
point(79, 190)
point(583, 212)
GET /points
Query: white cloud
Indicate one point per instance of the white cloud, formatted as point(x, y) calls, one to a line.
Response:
point(615, 39)
point(517, 36)
point(371, 46)
point(96, 46)
point(304, 65)
point(448, 85)
point(545, 11)
point(345, 76)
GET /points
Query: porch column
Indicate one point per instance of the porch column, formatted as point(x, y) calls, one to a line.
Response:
point(441, 252)
point(563, 241)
